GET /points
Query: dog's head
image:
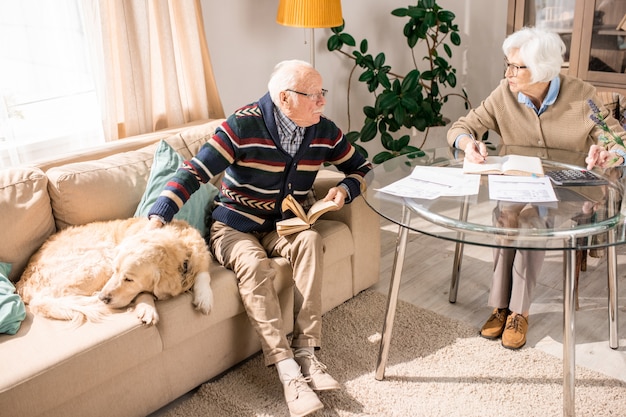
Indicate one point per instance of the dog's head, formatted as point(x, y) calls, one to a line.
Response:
point(152, 261)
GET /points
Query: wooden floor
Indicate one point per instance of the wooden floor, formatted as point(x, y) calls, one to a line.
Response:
point(426, 283)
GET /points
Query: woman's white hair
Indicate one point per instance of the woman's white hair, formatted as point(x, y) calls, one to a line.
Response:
point(287, 75)
point(540, 50)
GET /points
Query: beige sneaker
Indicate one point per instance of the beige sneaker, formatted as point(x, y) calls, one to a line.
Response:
point(300, 399)
point(315, 371)
point(494, 326)
point(514, 336)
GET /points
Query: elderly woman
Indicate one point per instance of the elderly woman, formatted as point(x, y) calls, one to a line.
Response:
point(534, 106)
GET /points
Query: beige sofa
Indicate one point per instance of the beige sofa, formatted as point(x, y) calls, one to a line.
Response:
point(120, 367)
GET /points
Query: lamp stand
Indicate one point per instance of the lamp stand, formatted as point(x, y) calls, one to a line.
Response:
point(312, 47)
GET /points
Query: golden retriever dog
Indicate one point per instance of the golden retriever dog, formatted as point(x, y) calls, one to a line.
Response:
point(83, 272)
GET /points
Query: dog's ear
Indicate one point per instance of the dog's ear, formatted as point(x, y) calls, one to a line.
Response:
point(167, 285)
point(187, 273)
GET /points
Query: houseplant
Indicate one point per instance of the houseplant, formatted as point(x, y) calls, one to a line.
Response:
point(413, 100)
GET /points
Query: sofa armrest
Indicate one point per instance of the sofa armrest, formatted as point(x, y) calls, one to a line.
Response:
point(364, 224)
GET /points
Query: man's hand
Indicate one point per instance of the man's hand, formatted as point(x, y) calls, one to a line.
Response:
point(338, 195)
point(599, 156)
point(154, 223)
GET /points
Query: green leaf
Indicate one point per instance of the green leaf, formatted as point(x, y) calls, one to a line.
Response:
point(363, 46)
point(411, 81)
point(368, 132)
point(448, 50)
point(370, 112)
point(334, 43)
point(403, 141)
point(387, 141)
point(388, 101)
point(412, 149)
point(382, 157)
point(445, 16)
point(399, 113)
point(380, 60)
point(347, 39)
point(429, 4)
point(383, 79)
point(451, 79)
point(352, 136)
point(401, 12)
point(455, 38)
point(430, 19)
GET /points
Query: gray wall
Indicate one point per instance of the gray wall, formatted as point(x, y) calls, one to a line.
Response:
point(245, 42)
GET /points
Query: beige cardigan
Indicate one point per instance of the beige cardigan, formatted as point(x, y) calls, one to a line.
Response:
point(564, 125)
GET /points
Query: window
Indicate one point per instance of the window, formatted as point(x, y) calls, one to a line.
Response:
point(48, 102)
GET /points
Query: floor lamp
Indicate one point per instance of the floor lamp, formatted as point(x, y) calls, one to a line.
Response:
point(310, 14)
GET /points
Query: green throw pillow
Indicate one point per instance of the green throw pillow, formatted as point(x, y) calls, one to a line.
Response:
point(166, 162)
point(12, 310)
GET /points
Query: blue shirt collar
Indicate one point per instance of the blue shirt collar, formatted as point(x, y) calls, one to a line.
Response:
point(553, 92)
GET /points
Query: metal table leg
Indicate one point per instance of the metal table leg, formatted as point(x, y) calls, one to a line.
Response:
point(392, 298)
point(611, 269)
point(569, 326)
point(458, 254)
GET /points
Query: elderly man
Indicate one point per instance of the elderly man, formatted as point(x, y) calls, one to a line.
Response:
point(270, 149)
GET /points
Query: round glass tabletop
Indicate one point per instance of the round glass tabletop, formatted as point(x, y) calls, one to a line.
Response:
point(429, 194)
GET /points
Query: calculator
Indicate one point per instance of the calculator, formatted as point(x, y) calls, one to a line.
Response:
point(575, 177)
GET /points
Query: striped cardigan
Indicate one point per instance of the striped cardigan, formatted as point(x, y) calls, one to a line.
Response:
point(258, 172)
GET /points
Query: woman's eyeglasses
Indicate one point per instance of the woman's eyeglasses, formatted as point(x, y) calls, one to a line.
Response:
point(312, 96)
point(514, 68)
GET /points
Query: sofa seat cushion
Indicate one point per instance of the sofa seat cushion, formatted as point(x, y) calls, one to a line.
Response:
point(183, 320)
point(54, 361)
point(26, 218)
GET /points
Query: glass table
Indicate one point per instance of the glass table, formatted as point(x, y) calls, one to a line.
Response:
point(584, 217)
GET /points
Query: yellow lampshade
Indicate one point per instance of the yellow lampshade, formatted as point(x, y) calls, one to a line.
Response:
point(309, 13)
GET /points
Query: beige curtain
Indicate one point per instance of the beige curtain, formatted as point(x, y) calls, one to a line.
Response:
point(153, 65)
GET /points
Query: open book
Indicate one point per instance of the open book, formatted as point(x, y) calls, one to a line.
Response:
point(303, 220)
point(507, 165)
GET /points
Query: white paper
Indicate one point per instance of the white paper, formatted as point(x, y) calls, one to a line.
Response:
point(432, 182)
point(521, 189)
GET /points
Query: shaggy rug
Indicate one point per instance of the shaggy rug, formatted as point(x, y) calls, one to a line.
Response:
point(436, 367)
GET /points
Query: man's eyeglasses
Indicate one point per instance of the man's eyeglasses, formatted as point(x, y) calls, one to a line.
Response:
point(514, 68)
point(312, 96)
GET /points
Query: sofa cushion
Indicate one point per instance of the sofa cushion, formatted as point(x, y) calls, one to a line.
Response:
point(26, 218)
point(111, 187)
point(166, 162)
point(58, 360)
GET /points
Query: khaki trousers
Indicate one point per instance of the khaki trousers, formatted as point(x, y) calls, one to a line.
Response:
point(247, 255)
point(514, 278)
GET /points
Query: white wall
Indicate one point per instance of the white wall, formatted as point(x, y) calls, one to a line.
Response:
point(245, 43)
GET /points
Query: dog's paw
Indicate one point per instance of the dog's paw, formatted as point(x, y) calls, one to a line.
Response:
point(202, 293)
point(146, 310)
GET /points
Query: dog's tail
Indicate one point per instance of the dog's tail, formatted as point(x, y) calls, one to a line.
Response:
point(75, 308)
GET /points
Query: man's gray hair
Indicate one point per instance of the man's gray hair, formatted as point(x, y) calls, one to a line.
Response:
point(541, 50)
point(286, 75)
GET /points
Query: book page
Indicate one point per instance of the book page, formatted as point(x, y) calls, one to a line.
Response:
point(290, 203)
point(320, 207)
point(522, 165)
point(492, 165)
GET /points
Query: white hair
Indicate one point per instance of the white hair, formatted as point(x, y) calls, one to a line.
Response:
point(287, 75)
point(541, 50)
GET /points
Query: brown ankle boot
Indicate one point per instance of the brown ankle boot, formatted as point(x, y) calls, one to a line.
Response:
point(494, 326)
point(514, 335)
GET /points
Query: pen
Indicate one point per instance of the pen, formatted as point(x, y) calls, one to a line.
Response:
point(476, 145)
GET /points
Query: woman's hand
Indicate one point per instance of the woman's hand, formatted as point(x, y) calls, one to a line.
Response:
point(473, 154)
point(599, 156)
